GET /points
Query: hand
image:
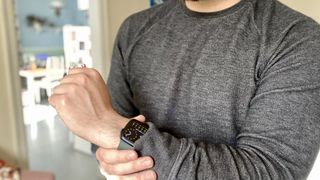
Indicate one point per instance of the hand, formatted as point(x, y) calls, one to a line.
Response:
point(125, 164)
point(83, 103)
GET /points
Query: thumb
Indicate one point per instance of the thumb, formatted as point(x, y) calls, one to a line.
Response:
point(140, 118)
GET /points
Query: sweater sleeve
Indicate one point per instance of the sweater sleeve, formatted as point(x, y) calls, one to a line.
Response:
point(278, 139)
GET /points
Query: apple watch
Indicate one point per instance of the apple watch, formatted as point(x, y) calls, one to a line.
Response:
point(131, 133)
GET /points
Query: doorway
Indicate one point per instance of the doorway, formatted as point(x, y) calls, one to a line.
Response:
point(53, 35)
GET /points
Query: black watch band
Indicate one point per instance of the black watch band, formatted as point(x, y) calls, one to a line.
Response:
point(132, 132)
point(124, 146)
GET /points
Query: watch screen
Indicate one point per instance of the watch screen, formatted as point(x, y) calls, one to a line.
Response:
point(133, 131)
point(131, 134)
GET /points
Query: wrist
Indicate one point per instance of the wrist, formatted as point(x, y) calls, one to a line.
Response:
point(110, 130)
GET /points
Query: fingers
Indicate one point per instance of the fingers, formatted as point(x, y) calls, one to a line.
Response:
point(66, 88)
point(55, 99)
point(67, 95)
point(112, 156)
point(79, 78)
point(140, 164)
point(84, 75)
point(93, 73)
point(122, 162)
point(95, 87)
point(144, 175)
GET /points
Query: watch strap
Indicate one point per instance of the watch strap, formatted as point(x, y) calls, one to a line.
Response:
point(124, 146)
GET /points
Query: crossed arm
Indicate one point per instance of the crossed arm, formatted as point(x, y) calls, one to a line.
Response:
point(279, 138)
point(94, 119)
point(263, 152)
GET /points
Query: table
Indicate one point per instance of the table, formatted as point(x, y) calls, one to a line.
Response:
point(30, 76)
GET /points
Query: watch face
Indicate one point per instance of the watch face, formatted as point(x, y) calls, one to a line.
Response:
point(131, 134)
point(133, 131)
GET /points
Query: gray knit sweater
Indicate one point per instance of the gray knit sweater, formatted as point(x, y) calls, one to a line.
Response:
point(232, 95)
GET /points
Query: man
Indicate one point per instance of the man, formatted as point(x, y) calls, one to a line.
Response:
point(230, 89)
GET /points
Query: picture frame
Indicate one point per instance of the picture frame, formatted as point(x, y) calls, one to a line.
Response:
point(156, 2)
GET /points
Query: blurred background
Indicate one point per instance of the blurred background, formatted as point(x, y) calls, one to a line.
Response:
point(39, 41)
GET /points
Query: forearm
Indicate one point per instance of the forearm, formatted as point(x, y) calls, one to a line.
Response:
point(278, 139)
point(110, 137)
point(185, 159)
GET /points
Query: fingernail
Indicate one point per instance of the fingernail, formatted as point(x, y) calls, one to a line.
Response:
point(147, 163)
point(132, 156)
point(151, 176)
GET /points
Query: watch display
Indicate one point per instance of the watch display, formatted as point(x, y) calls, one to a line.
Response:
point(133, 131)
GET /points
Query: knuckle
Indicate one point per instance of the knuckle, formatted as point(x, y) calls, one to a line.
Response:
point(64, 100)
point(53, 102)
point(102, 155)
point(131, 167)
point(72, 89)
point(83, 79)
point(141, 176)
point(118, 169)
point(105, 156)
point(138, 165)
point(113, 169)
point(153, 175)
point(149, 175)
point(98, 155)
point(95, 73)
point(108, 168)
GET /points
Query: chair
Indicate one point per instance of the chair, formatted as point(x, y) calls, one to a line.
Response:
point(54, 73)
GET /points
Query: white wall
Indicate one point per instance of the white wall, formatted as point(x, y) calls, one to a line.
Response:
point(119, 10)
point(7, 138)
point(12, 136)
point(105, 20)
point(310, 8)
